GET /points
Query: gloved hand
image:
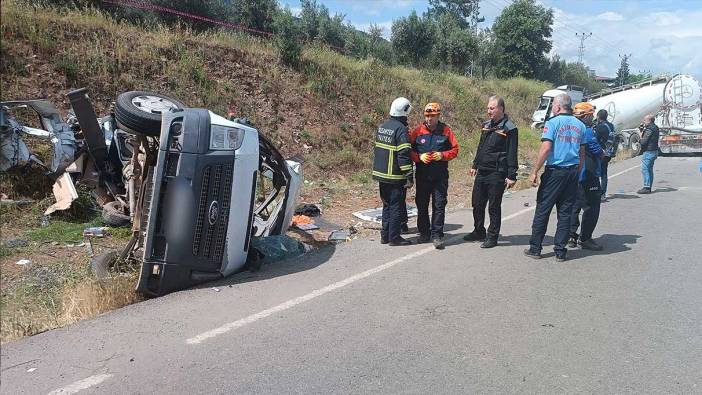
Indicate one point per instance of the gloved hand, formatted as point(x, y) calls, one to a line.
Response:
point(409, 183)
point(426, 157)
point(436, 156)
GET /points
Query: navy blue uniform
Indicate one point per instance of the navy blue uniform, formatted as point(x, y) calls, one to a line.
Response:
point(558, 182)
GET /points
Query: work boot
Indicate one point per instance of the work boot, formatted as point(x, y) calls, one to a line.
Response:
point(400, 242)
point(531, 254)
point(489, 243)
point(603, 198)
point(423, 239)
point(573, 241)
point(561, 258)
point(644, 191)
point(438, 243)
point(383, 240)
point(590, 245)
point(404, 229)
point(472, 236)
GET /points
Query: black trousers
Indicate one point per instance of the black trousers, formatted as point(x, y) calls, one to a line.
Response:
point(393, 197)
point(558, 187)
point(403, 208)
point(485, 193)
point(588, 200)
point(435, 189)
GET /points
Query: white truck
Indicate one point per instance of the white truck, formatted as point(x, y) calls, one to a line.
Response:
point(676, 102)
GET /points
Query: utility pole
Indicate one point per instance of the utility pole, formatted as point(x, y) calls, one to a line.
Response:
point(581, 49)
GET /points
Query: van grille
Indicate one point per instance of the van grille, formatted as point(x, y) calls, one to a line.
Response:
point(209, 238)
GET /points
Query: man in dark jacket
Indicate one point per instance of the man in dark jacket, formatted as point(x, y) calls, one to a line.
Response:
point(392, 168)
point(433, 146)
point(495, 165)
point(649, 149)
point(588, 195)
point(604, 131)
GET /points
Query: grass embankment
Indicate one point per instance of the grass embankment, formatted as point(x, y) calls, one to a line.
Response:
point(326, 112)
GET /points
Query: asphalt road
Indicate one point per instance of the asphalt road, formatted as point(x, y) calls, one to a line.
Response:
point(366, 318)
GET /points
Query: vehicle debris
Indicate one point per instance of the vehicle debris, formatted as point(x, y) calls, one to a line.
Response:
point(340, 235)
point(310, 210)
point(278, 247)
point(23, 262)
point(180, 176)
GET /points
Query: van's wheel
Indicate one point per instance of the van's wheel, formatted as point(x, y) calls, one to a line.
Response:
point(635, 144)
point(140, 112)
point(113, 215)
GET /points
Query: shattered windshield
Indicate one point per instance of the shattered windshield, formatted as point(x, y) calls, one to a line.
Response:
point(543, 105)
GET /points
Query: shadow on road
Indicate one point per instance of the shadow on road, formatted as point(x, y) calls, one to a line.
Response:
point(612, 244)
point(292, 265)
point(622, 196)
point(666, 189)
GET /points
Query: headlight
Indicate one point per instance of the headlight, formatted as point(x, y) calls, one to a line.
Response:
point(223, 138)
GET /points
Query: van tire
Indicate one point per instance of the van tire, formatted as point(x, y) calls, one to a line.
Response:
point(113, 215)
point(139, 112)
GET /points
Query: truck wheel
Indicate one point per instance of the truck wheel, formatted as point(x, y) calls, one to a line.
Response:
point(113, 215)
point(635, 144)
point(140, 112)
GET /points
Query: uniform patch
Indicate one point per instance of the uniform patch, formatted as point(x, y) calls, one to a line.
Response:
point(422, 141)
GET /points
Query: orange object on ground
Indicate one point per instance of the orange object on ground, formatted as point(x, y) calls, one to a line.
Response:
point(302, 220)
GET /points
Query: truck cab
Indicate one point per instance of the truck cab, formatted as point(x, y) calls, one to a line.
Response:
point(543, 111)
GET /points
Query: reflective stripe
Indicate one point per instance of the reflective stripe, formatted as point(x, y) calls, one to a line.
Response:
point(388, 176)
point(391, 159)
point(392, 147)
point(406, 167)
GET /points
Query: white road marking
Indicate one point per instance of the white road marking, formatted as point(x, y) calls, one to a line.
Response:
point(624, 171)
point(81, 385)
point(329, 288)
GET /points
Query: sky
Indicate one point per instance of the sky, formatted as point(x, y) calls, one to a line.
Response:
point(662, 36)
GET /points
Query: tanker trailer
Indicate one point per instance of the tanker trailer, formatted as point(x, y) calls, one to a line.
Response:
point(628, 104)
point(680, 120)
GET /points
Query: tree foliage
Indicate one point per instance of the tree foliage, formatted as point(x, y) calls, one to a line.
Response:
point(466, 12)
point(623, 72)
point(522, 39)
point(413, 39)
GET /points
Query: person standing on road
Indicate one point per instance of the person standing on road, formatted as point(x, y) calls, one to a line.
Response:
point(433, 146)
point(494, 168)
point(562, 151)
point(588, 195)
point(604, 130)
point(649, 147)
point(392, 168)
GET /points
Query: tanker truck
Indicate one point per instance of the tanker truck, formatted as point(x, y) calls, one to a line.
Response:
point(675, 101)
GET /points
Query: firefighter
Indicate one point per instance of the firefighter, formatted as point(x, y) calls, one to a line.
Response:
point(494, 168)
point(433, 146)
point(589, 192)
point(392, 168)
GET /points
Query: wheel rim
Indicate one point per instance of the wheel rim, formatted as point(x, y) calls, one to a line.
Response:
point(153, 104)
point(635, 146)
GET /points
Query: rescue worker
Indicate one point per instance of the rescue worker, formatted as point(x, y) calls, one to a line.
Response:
point(494, 168)
point(589, 194)
point(392, 168)
point(649, 149)
point(604, 130)
point(433, 146)
point(562, 151)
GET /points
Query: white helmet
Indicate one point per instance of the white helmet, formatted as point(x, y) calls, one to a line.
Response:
point(400, 107)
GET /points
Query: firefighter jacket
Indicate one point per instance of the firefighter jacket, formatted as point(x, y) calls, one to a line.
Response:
point(497, 149)
point(440, 140)
point(391, 160)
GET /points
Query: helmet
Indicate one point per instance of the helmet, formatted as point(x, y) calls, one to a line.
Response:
point(400, 107)
point(583, 108)
point(432, 110)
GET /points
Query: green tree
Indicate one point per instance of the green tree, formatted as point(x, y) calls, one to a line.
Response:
point(623, 72)
point(254, 14)
point(485, 57)
point(213, 9)
point(330, 30)
point(380, 48)
point(454, 47)
point(412, 39)
point(522, 39)
point(309, 18)
point(287, 37)
point(466, 12)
